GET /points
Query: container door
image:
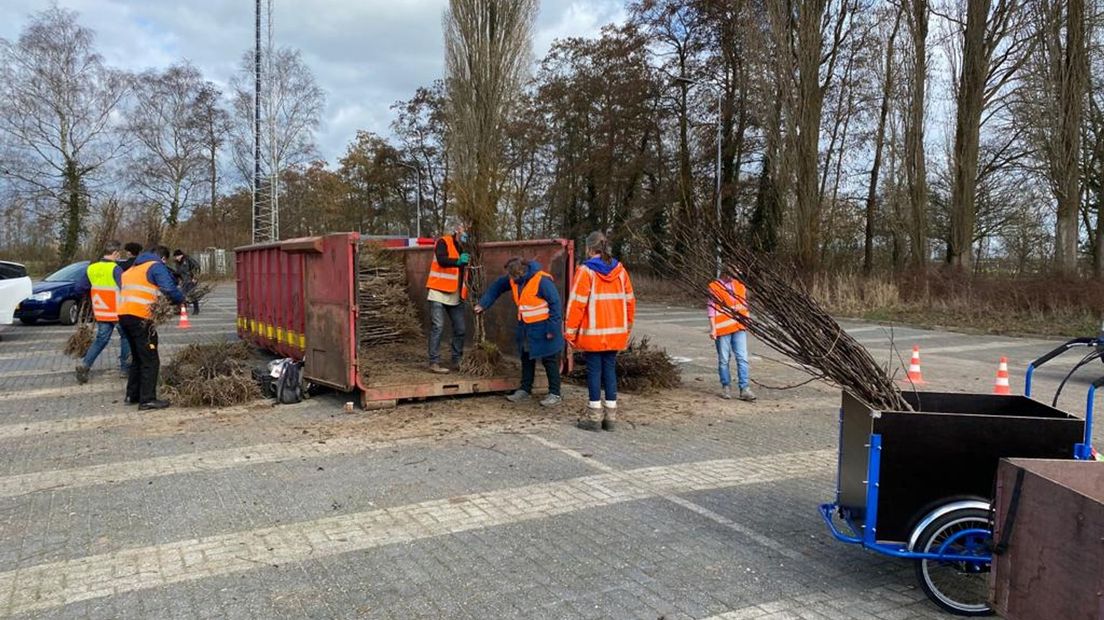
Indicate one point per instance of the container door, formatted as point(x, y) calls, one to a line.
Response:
point(331, 313)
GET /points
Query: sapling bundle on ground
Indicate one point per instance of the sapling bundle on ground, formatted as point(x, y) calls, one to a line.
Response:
point(641, 368)
point(386, 312)
point(785, 317)
point(216, 374)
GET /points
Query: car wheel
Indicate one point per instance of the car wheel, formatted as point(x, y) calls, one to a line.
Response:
point(69, 313)
point(28, 321)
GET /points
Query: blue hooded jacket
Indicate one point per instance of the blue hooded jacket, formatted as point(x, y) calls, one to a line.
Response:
point(160, 276)
point(544, 338)
point(597, 264)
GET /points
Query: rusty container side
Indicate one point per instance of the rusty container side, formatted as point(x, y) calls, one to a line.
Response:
point(331, 311)
point(556, 256)
point(1053, 566)
point(270, 298)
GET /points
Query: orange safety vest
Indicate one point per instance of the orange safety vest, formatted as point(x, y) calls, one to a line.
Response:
point(138, 293)
point(600, 310)
point(447, 279)
point(734, 301)
point(101, 276)
point(531, 309)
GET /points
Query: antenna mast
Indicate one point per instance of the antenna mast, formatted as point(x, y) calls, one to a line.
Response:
point(266, 187)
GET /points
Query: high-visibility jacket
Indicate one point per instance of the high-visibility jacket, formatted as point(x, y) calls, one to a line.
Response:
point(105, 291)
point(726, 299)
point(600, 310)
point(138, 293)
point(531, 309)
point(447, 279)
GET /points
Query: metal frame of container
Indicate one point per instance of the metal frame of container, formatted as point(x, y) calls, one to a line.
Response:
point(297, 298)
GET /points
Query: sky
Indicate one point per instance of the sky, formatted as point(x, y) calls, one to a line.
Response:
point(366, 54)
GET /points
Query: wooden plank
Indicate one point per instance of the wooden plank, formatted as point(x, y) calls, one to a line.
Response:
point(1054, 564)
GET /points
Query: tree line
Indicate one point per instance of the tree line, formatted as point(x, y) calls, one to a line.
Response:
point(873, 135)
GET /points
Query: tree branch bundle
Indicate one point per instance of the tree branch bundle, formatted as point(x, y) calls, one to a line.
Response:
point(786, 318)
point(387, 313)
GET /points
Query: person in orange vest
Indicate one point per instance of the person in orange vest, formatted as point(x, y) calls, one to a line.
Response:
point(539, 333)
point(102, 280)
point(600, 316)
point(448, 289)
point(728, 334)
point(141, 284)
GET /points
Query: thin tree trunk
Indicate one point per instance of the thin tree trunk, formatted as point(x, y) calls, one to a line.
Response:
point(915, 168)
point(971, 94)
point(1071, 92)
point(811, 98)
point(879, 143)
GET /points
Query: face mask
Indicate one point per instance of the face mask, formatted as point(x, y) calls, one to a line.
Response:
point(463, 237)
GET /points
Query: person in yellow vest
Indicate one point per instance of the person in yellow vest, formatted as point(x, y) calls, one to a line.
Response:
point(141, 284)
point(729, 334)
point(539, 332)
point(448, 289)
point(101, 281)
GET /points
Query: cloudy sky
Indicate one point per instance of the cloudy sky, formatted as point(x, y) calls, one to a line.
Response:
point(366, 54)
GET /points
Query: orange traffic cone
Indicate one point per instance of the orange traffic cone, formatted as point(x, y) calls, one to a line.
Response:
point(184, 323)
point(1001, 386)
point(914, 375)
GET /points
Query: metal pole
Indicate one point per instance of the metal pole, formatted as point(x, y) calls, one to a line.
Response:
point(257, 128)
point(418, 203)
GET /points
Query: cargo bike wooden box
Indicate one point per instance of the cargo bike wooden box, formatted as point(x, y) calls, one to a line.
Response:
point(919, 484)
point(298, 298)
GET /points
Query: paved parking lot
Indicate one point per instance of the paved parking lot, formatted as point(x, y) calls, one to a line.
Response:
point(703, 509)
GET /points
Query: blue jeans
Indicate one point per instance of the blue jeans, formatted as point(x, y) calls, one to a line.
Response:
point(601, 373)
point(437, 312)
point(727, 346)
point(103, 336)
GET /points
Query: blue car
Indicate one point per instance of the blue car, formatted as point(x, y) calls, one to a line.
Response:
point(55, 298)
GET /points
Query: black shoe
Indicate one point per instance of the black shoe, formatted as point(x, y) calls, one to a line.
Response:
point(154, 404)
point(82, 374)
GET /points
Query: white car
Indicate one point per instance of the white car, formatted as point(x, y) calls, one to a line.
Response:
point(15, 286)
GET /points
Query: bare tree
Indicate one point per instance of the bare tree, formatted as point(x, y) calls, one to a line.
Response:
point(888, 86)
point(994, 49)
point(487, 50)
point(57, 125)
point(916, 17)
point(292, 98)
point(167, 123)
point(214, 125)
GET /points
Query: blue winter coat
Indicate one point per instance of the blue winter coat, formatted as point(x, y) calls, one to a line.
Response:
point(535, 335)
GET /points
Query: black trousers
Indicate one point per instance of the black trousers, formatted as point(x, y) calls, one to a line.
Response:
point(146, 362)
point(551, 365)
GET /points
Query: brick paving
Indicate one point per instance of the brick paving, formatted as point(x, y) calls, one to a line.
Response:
point(706, 511)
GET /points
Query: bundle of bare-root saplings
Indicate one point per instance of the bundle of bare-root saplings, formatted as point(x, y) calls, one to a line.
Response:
point(785, 316)
point(641, 368)
point(217, 374)
point(388, 328)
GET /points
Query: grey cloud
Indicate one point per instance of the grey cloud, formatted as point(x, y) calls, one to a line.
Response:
point(365, 53)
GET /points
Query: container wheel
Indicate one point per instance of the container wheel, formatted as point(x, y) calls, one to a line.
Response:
point(960, 587)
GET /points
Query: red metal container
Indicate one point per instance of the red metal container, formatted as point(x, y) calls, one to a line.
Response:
point(297, 298)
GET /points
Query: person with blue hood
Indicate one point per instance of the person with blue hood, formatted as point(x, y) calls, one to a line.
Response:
point(539, 334)
point(141, 285)
point(600, 314)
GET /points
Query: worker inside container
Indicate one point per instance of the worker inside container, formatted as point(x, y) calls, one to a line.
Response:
point(448, 289)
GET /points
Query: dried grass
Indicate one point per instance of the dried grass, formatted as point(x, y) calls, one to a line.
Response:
point(211, 375)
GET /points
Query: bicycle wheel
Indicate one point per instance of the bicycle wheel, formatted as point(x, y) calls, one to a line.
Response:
point(960, 587)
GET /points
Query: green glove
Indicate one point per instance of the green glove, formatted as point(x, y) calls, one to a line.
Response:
point(464, 259)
